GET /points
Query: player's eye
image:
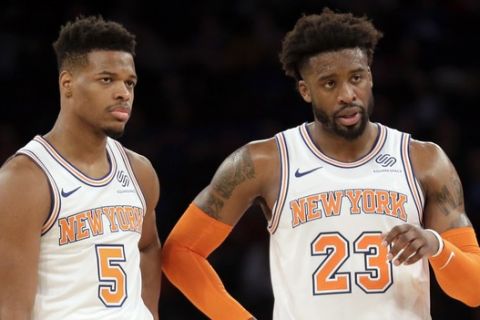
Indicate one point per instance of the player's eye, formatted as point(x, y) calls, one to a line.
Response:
point(356, 78)
point(106, 80)
point(130, 83)
point(329, 84)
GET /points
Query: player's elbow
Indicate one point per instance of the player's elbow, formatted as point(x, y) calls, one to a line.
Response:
point(172, 253)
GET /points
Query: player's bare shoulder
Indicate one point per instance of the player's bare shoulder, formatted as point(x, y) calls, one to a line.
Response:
point(244, 176)
point(265, 156)
point(21, 170)
point(428, 159)
point(251, 164)
point(25, 187)
point(145, 174)
point(441, 184)
point(138, 159)
point(263, 150)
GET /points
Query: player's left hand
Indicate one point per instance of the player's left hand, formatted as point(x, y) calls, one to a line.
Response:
point(410, 243)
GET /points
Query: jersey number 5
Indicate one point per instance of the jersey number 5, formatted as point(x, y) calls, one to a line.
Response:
point(327, 279)
point(112, 289)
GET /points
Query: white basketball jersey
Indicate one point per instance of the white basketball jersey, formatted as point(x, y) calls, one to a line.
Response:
point(326, 257)
point(89, 265)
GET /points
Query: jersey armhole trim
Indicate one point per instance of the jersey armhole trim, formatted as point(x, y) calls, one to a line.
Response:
point(129, 167)
point(410, 175)
point(283, 188)
point(55, 203)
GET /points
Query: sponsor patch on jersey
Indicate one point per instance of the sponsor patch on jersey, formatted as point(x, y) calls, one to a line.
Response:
point(123, 178)
point(385, 160)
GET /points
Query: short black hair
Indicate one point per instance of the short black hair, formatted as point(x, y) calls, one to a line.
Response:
point(329, 31)
point(85, 34)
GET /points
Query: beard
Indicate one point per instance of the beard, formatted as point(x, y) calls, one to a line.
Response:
point(346, 132)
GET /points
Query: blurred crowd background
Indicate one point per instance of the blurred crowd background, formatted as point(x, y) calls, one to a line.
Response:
point(210, 81)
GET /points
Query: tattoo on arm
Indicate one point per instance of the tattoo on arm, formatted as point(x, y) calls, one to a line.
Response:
point(236, 169)
point(241, 169)
point(213, 206)
point(450, 197)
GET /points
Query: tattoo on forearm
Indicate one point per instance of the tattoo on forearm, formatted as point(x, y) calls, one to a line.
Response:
point(242, 169)
point(450, 197)
point(213, 206)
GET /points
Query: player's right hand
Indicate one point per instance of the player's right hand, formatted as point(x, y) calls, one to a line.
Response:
point(409, 243)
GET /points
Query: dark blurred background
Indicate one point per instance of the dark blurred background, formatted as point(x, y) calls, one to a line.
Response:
point(210, 81)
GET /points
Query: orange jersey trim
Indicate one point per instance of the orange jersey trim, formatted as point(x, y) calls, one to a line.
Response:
point(382, 137)
point(76, 172)
point(283, 188)
point(55, 206)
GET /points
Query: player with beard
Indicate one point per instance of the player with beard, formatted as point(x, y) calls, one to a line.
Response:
point(78, 237)
point(355, 209)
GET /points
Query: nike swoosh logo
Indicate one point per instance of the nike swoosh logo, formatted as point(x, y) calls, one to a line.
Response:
point(299, 174)
point(66, 194)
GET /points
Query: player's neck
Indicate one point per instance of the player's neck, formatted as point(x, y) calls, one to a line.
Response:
point(86, 150)
point(342, 149)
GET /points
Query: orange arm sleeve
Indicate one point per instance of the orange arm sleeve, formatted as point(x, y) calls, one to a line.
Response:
point(184, 262)
point(457, 267)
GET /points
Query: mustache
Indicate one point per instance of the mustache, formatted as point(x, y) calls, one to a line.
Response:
point(349, 106)
point(119, 106)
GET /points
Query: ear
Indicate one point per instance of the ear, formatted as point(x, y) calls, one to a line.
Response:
point(304, 91)
point(65, 83)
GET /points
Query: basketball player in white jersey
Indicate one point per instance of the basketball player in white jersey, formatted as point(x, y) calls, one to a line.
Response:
point(355, 210)
point(78, 237)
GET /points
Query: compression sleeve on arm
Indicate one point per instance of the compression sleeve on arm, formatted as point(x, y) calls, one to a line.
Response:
point(457, 266)
point(184, 262)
